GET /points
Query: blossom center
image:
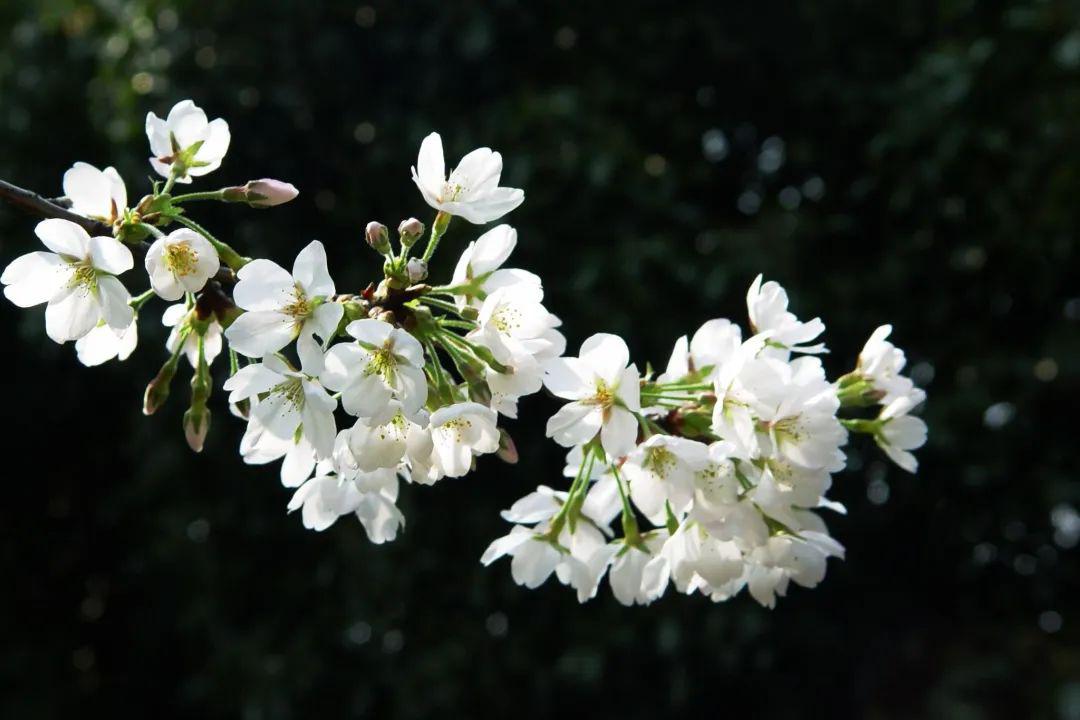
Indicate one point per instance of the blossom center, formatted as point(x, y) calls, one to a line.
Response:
point(782, 472)
point(84, 278)
point(457, 428)
point(604, 396)
point(293, 391)
point(299, 307)
point(660, 461)
point(451, 191)
point(394, 429)
point(789, 428)
point(181, 258)
point(382, 361)
point(506, 319)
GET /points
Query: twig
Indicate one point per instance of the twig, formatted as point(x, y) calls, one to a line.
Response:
point(35, 204)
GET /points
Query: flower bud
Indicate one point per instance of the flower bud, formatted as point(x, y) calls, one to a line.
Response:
point(507, 451)
point(409, 231)
point(157, 392)
point(268, 192)
point(479, 392)
point(354, 310)
point(378, 237)
point(196, 426)
point(417, 270)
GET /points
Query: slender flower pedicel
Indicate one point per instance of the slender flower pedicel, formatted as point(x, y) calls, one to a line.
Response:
point(708, 478)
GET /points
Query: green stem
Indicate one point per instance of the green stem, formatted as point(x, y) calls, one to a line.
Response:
point(441, 304)
point(646, 431)
point(460, 324)
point(629, 520)
point(672, 522)
point(150, 229)
point(189, 197)
point(438, 229)
point(690, 387)
point(576, 488)
point(867, 427)
point(438, 373)
point(139, 300)
point(452, 289)
point(461, 361)
point(229, 256)
point(744, 481)
point(478, 350)
point(664, 396)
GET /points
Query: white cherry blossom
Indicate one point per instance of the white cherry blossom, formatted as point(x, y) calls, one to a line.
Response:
point(472, 189)
point(96, 194)
point(370, 497)
point(180, 262)
point(660, 473)
point(794, 409)
point(714, 343)
point(626, 565)
point(783, 558)
point(881, 363)
point(383, 445)
point(282, 306)
point(458, 433)
point(294, 400)
point(768, 308)
point(384, 362)
point(721, 493)
point(103, 343)
point(185, 142)
point(576, 557)
point(604, 394)
point(695, 561)
point(174, 317)
point(479, 270)
point(259, 446)
point(900, 433)
point(521, 335)
point(77, 280)
point(323, 499)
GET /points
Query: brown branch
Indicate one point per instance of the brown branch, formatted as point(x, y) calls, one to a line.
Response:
point(35, 204)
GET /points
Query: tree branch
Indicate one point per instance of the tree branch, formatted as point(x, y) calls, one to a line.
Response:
point(35, 204)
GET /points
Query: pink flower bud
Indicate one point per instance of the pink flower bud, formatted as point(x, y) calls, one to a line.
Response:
point(410, 231)
point(378, 237)
point(268, 193)
point(417, 270)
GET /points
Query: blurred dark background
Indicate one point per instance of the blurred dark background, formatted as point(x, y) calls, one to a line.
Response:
point(908, 162)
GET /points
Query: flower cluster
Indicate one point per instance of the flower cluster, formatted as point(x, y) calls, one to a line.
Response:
point(350, 391)
point(717, 467)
